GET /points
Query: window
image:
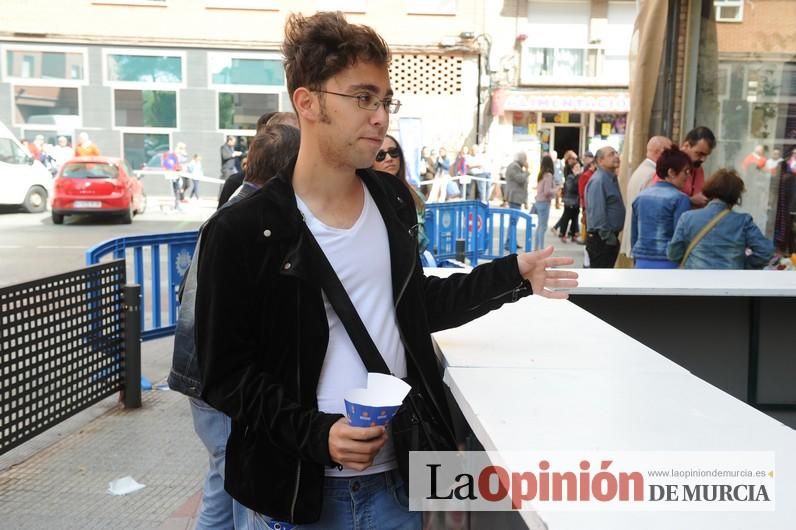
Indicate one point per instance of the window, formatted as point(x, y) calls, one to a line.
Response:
point(145, 108)
point(122, 68)
point(238, 111)
point(88, 170)
point(10, 153)
point(229, 70)
point(50, 136)
point(45, 105)
point(45, 65)
point(729, 10)
point(142, 149)
point(249, 85)
point(553, 62)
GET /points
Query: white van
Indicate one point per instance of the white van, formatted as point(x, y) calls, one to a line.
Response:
point(23, 180)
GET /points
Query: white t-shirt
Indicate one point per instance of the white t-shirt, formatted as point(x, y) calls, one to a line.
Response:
point(360, 256)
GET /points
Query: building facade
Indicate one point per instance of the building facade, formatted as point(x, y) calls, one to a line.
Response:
point(751, 105)
point(561, 73)
point(141, 75)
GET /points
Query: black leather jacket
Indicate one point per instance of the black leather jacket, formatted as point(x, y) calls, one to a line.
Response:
point(262, 333)
point(184, 376)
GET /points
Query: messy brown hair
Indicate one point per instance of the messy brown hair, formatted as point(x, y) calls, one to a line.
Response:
point(724, 184)
point(270, 152)
point(318, 47)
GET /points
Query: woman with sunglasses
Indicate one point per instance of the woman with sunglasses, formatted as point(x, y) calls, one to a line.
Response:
point(390, 159)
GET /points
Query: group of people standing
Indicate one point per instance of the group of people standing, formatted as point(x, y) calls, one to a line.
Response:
point(675, 217)
point(568, 188)
point(55, 156)
point(467, 176)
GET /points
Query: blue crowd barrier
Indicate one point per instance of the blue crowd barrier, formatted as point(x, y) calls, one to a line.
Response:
point(158, 306)
point(483, 229)
point(446, 222)
point(486, 231)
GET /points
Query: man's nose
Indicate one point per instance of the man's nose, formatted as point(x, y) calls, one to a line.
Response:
point(380, 116)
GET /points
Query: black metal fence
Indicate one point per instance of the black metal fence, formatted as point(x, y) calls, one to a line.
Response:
point(62, 348)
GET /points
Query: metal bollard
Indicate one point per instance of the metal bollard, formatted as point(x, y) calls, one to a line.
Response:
point(131, 395)
point(460, 250)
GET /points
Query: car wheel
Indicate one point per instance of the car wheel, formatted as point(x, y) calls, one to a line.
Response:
point(58, 218)
point(127, 217)
point(35, 200)
point(142, 208)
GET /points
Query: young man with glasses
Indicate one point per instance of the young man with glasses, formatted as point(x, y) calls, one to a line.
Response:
point(274, 354)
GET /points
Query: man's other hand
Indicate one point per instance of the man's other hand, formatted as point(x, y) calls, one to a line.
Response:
point(355, 447)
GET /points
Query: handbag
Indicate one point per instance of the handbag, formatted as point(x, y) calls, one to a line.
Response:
point(418, 424)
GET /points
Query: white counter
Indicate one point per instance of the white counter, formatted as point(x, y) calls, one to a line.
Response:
point(546, 375)
point(686, 282)
point(551, 334)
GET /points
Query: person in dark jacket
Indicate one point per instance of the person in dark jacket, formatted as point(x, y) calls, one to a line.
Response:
point(272, 149)
point(516, 191)
point(273, 355)
point(234, 182)
point(229, 156)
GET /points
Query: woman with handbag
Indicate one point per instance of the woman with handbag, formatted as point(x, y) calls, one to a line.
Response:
point(715, 237)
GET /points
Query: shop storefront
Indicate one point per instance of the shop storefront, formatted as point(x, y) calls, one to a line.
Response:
point(581, 121)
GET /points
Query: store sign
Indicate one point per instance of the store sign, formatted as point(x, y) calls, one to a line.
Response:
point(565, 103)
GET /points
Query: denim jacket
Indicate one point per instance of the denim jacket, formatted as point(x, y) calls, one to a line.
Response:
point(724, 247)
point(656, 211)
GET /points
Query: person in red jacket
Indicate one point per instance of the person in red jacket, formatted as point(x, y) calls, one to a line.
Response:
point(588, 171)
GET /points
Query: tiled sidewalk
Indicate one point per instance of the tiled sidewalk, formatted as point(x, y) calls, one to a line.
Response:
point(65, 485)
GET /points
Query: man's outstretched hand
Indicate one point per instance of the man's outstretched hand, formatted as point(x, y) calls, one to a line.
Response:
point(538, 267)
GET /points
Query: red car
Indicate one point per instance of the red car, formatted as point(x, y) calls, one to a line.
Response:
point(97, 185)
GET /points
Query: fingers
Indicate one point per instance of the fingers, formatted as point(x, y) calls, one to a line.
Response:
point(355, 447)
point(560, 284)
point(561, 274)
point(555, 295)
point(361, 433)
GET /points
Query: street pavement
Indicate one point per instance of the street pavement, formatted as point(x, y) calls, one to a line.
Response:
point(60, 478)
point(32, 247)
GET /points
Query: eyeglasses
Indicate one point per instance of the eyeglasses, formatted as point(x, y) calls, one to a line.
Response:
point(394, 153)
point(369, 101)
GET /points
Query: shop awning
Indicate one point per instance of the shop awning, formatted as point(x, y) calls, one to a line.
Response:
point(559, 101)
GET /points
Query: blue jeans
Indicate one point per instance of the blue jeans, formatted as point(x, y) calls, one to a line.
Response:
point(543, 214)
point(483, 186)
point(370, 502)
point(512, 228)
point(219, 510)
point(655, 264)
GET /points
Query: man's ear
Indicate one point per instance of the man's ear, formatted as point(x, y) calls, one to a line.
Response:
point(306, 104)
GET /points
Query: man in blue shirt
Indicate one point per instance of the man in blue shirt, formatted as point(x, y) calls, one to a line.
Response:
point(604, 210)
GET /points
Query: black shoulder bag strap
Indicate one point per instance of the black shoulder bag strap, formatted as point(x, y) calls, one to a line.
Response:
point(415, 427)
point(345, 310)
